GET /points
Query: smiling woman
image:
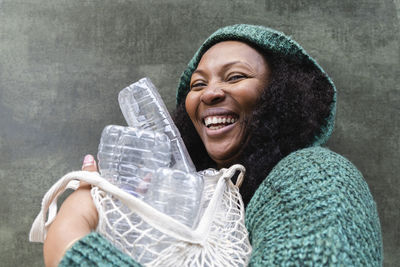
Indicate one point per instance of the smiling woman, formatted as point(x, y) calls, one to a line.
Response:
point(253, 96)
point(279, 97)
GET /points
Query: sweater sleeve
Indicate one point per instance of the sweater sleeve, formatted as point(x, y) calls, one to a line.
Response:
point(314, 208)
point(95, 250)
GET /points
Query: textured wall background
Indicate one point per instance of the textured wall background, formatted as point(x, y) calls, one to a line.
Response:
point(62, 63)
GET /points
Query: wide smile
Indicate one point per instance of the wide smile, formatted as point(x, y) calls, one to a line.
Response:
point(219, 123)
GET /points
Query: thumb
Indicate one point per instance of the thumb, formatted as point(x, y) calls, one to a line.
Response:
point(89, 164)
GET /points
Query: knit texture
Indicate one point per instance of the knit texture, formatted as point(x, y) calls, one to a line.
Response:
point(314, 208)
point(94, 250)
point(265, 39)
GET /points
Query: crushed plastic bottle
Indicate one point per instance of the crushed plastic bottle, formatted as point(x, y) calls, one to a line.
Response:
point(142, 107)
point(176, 193)
point(129, 156)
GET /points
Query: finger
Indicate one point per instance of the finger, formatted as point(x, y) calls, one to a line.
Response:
point(89, 164)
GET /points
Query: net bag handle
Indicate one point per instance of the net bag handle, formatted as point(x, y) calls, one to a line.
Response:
point(155, 218)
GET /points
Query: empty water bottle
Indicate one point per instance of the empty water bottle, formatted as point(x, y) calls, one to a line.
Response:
point(176, 193)
point(142, 107)
point(128, 157)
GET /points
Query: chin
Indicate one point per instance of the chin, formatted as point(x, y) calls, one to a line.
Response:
point(222, 158)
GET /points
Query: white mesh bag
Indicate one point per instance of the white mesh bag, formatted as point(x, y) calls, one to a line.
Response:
point(155, 239)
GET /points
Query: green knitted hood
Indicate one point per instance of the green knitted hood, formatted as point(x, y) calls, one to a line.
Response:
point(268, 40)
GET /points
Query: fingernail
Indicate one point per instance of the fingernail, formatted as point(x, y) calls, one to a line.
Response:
point(88, 161)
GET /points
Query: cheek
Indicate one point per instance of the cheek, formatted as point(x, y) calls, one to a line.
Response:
point(248, 99)
point(191, 105)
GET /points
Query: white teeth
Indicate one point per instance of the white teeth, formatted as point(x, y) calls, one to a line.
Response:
point(218, 120)
point(208, 121)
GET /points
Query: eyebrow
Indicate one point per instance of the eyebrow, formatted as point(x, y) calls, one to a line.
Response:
point(225, 66)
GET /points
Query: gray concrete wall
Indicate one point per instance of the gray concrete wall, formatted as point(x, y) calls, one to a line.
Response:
point(62, 63)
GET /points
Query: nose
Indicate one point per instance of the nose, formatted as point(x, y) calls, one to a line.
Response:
point(212, 95)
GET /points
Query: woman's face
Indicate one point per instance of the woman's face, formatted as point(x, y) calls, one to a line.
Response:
point(224, 90)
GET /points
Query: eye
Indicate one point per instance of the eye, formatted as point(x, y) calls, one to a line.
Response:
point(236, 77)
point(197, 85)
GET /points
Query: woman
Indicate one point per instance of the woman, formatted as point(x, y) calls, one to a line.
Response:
point(251, 95)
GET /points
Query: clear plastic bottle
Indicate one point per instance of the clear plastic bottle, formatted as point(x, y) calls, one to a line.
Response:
point(142, 107)
point(128, 157)
point(136, 160)
point(176, 193)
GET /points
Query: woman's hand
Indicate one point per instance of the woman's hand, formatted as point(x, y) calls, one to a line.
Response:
point(77, 218)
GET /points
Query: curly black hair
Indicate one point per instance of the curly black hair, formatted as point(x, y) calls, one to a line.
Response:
point(290, 114)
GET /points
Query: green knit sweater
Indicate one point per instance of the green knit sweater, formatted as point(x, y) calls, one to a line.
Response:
point(314, 208)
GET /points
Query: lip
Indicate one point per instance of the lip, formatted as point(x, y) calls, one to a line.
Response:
point(219, 132)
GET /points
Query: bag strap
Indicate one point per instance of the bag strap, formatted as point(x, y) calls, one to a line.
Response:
point(204, 226)
point(240, 178)
point(155, 218)
point(39, 227)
